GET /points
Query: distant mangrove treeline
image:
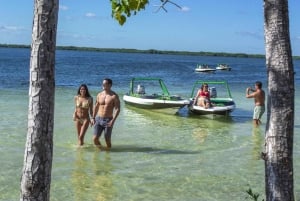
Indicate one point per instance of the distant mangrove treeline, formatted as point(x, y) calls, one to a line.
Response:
point(150, 51)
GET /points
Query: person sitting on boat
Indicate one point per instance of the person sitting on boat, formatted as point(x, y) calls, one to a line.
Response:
point(203, 97)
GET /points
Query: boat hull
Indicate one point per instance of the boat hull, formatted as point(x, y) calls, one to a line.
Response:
point(149, 102)
point(205, 70)
point(223, 68)
point(220, 108)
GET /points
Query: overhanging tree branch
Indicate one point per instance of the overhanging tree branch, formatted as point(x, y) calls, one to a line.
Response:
point(164, 2)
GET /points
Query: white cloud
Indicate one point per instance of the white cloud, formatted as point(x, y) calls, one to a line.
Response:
point(90, 15)
point(75, 36)
point(62, 7)
point(185, 9)
point(250, 34)
point(10, 28)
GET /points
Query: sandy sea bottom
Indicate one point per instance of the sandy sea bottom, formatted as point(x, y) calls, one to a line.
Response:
point(155, 156)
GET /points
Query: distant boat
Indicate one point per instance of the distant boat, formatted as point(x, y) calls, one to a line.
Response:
point(157, 95)
point(220, 98)
point(204, 68)
point(223, 67)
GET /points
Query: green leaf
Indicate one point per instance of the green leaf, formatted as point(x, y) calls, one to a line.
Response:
point(122, 20)
point(123, 8)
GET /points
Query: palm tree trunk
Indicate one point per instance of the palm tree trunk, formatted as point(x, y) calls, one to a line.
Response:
point(36, 175)
point(280, 117)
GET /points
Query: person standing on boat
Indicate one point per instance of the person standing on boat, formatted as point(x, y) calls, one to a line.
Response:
point(105, 113)
point(203, 97)
point(83, 110)
point(259, 101)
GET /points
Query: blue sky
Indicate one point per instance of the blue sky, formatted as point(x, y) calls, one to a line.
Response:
point(234, 26)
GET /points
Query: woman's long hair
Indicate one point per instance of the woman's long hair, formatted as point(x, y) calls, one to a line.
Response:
point(87, 94)
point(202, 86)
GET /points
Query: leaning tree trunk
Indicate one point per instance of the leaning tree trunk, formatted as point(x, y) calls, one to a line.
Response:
point(280, 117)
point(36, 175)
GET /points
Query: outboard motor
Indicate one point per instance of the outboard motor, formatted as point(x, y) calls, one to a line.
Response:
point(213, 92)
point(140, 89)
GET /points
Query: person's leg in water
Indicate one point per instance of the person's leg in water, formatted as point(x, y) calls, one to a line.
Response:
point(98, 129)
point(257, 114)
point(107, 135)
point(81, 125)
point(78, 125)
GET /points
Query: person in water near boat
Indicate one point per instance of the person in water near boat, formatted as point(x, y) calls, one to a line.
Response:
point(83, 110)
point(259, 101)
point(105, 113)
point(203, 97)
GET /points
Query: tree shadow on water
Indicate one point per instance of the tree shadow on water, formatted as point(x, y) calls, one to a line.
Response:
point(150, 150)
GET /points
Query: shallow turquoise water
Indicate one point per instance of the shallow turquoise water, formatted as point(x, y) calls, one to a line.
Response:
point(155, 156)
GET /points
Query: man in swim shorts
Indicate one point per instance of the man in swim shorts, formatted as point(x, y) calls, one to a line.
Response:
point(105, 113)
point(259, 100)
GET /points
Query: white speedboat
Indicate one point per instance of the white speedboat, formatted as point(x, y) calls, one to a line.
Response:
point(220, 98)
point(223, 67)
point(204, 68)
point(157, 95)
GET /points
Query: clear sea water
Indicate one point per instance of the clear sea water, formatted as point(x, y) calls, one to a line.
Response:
point(155, 156)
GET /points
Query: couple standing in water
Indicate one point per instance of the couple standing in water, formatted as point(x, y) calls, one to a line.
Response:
point(102, 115)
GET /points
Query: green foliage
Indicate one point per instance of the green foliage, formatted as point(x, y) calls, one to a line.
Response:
point(124, 8)
point(253, 196)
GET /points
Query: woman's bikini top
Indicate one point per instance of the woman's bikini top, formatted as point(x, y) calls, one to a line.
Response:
point(204, 93)
point(83, 104)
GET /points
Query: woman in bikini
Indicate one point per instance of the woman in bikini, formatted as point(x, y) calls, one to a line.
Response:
point(83, 110)
point(203, 97)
